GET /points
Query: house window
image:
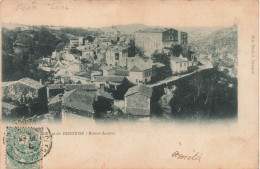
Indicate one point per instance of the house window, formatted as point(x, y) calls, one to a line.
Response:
point(171, 37)
point(181, 64)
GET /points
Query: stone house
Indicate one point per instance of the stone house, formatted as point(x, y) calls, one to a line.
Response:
point(78, 103)
point(179, 64)
point(26, 91)
point(121, 72)
point(108, 82)
point(117, 56)
point(84, 87)
point(152, 39)
point(108, 71)
point(141, 74)
point(137, 101)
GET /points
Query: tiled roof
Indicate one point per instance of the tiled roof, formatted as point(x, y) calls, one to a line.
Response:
point(118, 79)
point(121, 72)
point(135, 69)
point(56, 86)
point(94, 68)
point(83, 100)
point(107, 68)
point(30, 82)
point(83, 74)
point(141, 67)
point(104, 94)
point(85, 87)
point(55, 100)
point(147, 91)
point(79, 100)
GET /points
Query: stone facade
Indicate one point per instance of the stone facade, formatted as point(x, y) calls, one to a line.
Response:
point(137, 104)
point(116, 57)
point(179, 64)
point(156, 39)
point(21, 93)
point(143, 76)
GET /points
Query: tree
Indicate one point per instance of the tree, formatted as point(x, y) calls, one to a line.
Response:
point(75, 51)
point(16, 65)
point(164, 59)
point(139, 51)
point(204, 95)
point(90, 38)
point(176, 50)
point(60, 47)
point(122, 89)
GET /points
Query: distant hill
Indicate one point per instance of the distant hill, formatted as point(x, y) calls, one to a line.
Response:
point(222, 46)
point(223, 41)
point(129, 28)
point(195, 33)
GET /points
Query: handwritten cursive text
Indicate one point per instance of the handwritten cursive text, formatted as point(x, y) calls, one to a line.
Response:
point(194, 157)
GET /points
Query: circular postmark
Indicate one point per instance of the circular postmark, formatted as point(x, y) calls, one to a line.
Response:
point(27, 145)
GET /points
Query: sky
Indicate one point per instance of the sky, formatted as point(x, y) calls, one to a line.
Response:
point(89, 13)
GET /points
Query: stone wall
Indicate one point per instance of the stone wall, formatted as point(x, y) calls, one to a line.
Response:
point(137, 104)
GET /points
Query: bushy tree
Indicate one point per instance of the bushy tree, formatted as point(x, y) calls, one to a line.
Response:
point(38, 43)
point(163, 58)
point(122, 89)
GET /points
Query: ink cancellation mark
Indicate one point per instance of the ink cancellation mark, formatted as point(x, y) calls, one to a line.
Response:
point(26, 146)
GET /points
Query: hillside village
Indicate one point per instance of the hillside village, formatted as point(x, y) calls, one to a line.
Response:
point(108, 75)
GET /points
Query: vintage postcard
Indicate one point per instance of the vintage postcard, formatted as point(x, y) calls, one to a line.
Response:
point(129, 84)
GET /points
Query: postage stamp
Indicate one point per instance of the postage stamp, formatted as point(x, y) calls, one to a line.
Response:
point(26, 146)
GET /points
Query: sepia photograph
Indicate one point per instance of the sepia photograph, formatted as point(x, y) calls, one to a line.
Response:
point(120, 72)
